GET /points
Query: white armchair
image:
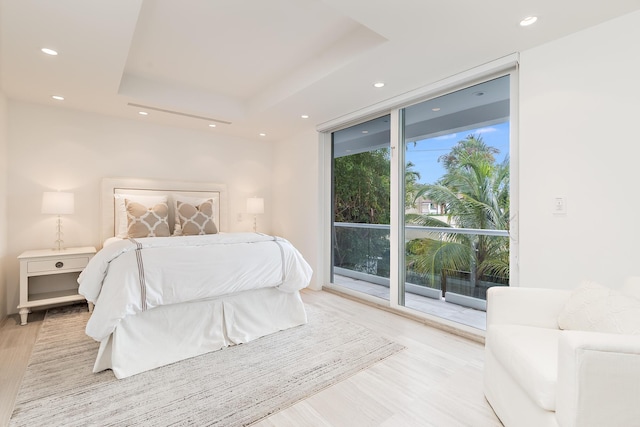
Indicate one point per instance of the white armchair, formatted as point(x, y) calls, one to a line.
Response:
point(537, 374)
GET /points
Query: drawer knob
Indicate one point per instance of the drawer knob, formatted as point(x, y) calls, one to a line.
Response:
point(59, 264)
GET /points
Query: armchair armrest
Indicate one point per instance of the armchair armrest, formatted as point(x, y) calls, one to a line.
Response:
point(598, 379)
point(525, 306)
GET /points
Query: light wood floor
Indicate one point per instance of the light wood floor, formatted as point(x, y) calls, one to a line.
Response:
point(435, 381)
point(16, 343)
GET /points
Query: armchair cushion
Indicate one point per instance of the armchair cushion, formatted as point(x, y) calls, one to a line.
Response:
point(593, 307)
point(525, 306)
point(529, 354)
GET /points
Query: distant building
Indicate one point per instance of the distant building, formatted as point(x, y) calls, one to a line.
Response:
point(425, 206)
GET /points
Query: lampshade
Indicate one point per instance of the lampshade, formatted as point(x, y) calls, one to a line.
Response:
point(57, 203)
point(255, 205)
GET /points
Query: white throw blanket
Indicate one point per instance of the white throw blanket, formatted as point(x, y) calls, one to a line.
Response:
point(131, 276)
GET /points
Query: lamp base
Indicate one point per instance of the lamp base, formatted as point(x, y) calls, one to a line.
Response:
point(59, 234)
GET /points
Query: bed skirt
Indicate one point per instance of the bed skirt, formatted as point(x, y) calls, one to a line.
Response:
point(168, 334)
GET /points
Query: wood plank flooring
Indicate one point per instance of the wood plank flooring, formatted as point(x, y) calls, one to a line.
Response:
point(435, 381)
point(16, 343)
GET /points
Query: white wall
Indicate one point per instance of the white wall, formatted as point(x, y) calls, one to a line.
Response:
point(297, 210)
point(55, 148)
point(579, 110)
point(579, 101)
point(3, 206)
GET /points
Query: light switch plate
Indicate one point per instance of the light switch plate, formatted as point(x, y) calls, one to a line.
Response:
point(559, 205)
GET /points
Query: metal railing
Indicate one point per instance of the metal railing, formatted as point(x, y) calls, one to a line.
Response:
point(361, 251)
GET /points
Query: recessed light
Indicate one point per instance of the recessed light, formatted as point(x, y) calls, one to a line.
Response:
point(49, 51)
point(478, 93)
point(304, 116)
point(212, 125)
point(528, 21)
point(143, 113)
point(365, 131)
point(378, 84)
point(263, 134)
point(58, 97)
point(435, 109)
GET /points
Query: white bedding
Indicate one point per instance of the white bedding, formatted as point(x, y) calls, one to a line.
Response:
point(182, 269)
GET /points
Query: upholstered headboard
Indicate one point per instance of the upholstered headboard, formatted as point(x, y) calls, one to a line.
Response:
point(150, 187)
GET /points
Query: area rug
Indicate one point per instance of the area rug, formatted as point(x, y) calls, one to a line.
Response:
point(236, 386)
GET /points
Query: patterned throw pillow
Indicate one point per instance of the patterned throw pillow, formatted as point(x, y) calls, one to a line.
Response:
point(196, 220)
point(120, 210)
point(147, 222)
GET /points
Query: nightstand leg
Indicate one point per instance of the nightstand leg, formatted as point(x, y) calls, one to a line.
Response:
point(24, 313)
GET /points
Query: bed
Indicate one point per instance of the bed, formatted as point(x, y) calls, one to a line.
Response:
point(171, 283)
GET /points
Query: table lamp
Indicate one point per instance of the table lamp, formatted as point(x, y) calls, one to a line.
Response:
point(57, 203)
point(255, 205)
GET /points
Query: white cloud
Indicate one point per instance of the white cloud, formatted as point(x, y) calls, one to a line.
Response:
point(486, 130)
point(443, 137)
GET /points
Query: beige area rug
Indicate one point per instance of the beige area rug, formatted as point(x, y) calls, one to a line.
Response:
point(235, 386)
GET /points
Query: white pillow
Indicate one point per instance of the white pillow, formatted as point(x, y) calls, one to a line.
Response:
point(195, 201)
point(111, 240)
point(120, 211)
point(596, 308)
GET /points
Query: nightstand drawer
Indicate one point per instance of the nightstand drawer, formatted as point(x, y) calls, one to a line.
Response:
point(60, 264)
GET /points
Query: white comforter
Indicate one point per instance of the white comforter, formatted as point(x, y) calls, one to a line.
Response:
point(128, 277)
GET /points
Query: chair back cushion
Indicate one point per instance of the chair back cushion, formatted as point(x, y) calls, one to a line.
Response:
point(596, 308)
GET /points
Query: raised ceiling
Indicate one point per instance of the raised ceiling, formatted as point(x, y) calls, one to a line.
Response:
point(256, 66)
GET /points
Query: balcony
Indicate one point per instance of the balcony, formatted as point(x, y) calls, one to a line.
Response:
point(361, 263)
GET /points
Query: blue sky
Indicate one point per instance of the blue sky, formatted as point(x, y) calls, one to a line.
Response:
point(424, 155)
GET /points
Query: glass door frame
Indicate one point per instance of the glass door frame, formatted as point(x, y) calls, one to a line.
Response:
point(504, 66)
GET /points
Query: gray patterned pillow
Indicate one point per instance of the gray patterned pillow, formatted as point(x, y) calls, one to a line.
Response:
point(196, 220)
point(147, 222)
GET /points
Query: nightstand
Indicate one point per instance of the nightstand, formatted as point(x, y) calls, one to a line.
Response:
point(42, 265)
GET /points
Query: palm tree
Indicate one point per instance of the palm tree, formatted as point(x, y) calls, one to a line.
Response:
point(411, 185)
point(475, 193)
point(361, 195)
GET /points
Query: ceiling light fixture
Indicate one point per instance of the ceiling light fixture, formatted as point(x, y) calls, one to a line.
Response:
point(143, 113)
point(435, 109)
point(49, 51)
point(304, 116)
point(478, 93)
point(212, 125)
point(528, 21)
point(58, 97)
point(378, 84)
point(263, 134)
point(365, 131)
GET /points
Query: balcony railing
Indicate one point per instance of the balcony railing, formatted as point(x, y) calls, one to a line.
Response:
point(361, 251)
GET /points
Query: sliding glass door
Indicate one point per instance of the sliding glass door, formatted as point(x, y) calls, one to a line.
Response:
point(457, 197)
point(361, 207)
point(421, 203)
